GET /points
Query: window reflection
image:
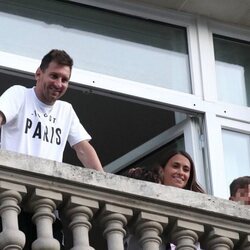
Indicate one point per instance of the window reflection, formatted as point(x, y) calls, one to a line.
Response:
point(105, 42)
point(232, 70)
point(231, 80)
point(236, 148)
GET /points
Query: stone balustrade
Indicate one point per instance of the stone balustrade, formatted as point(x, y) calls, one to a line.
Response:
point(101, 211)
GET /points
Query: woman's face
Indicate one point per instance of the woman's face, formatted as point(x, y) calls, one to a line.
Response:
point(177, 171)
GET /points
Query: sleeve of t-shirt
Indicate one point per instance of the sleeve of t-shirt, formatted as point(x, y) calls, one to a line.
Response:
point(77, 132)
point(11, 101)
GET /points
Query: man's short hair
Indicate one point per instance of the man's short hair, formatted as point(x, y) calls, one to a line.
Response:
point(240, 182)
point(58, 56)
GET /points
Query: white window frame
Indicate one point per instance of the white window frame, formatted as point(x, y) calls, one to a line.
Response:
point(234, 126)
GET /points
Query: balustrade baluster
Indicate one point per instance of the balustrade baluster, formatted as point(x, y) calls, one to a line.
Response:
point(80, 211)
point(185, 234)
point(43, 218)
point(219, 243)
point(148, 233)
point(11, 237)
point(148, 230)
point(115, 219)
point(185, 239)
point(220, 239)
point(114, 231)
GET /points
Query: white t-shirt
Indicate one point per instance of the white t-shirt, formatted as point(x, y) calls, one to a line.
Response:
point(35, 128)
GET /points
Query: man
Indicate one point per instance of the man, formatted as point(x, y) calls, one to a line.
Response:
point(35, 122)
point(240, 190)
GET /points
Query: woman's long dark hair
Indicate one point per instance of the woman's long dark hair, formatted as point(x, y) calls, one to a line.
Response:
point(192, 182)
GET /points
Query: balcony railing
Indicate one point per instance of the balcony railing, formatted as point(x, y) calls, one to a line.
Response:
point(98, 210)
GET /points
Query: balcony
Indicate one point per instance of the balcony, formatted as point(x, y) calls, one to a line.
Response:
point(98, 210)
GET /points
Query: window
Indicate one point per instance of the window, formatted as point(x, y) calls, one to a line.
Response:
point(100, 41)
point(126, 73)
point(236, 147)
point(125, 132)
point(232, 70)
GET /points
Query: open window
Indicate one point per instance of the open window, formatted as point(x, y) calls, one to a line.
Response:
point(132, 83)
point(125, 131)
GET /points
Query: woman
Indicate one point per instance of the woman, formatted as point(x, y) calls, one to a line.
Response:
point(176, 169)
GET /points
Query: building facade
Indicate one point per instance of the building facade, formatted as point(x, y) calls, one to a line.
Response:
point(148, 76)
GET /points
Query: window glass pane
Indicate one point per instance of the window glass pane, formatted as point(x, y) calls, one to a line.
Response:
point(100, 41)
point(232, 70)
point(236, 154)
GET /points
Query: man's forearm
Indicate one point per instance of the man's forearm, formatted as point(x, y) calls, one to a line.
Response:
point(88, 156)
point(90, 160)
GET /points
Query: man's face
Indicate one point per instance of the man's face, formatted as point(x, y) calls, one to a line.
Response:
point(52, 83)
point(242, 195)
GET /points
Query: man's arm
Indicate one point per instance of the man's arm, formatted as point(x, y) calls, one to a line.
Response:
point(87, 155)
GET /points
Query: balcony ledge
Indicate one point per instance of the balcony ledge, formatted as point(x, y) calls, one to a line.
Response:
point(60, 175)
point(112, 202)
